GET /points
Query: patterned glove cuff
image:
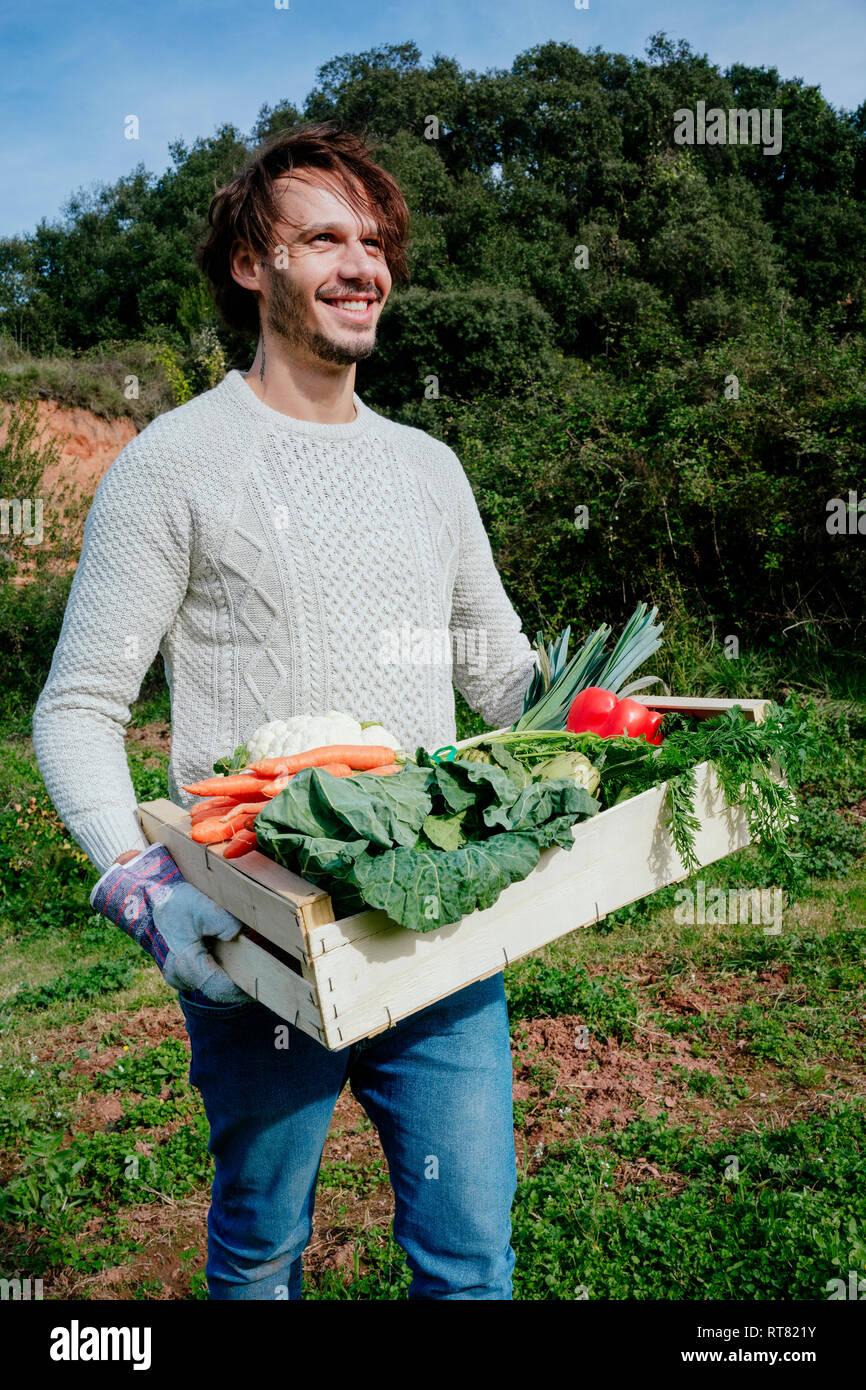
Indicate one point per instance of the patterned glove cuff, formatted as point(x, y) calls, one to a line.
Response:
point(126, 894)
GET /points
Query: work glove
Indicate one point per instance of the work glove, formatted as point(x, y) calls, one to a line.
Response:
point(150, 900)
point(183, 918)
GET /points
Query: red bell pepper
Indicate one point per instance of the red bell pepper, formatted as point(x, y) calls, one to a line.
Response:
point(597, 711)
point(590, 710)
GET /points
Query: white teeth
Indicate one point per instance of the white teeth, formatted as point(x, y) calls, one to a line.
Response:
point(357, 306)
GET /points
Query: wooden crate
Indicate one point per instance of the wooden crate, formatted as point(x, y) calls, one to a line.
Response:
point(347, 979)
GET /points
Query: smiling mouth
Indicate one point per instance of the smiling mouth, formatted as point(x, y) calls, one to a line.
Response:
point(358, 310)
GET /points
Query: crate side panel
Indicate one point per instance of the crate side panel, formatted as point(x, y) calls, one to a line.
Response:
point(272, 915)
point(270, 982)
point(627, 822)
point(381, 978)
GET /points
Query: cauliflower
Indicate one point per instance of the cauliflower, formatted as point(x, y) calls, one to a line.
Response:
point(282, 737)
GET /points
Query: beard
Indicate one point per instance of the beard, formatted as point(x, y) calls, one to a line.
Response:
point(285, 317)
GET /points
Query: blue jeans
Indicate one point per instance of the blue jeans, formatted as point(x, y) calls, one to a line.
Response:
point(438, 1087)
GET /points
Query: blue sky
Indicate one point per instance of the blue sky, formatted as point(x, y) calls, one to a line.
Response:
point(71, 74)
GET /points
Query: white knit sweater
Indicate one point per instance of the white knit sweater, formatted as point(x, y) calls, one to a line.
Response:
point(281, 567)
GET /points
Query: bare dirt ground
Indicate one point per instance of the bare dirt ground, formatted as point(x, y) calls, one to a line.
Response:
point(150, 737)
point(563, 1091)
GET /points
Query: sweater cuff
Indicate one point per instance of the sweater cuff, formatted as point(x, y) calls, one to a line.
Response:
point(105, 834)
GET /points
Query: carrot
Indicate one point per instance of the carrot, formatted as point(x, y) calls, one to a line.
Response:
point(271, 789)
point(336, 769)
point(199, 813)
point(242, 843)
point(235, 848)
point(211, 832)
point(383, 771)
point(214, 831)
point(270, 767)
point(358, 756)
point(213, 803)
point(244, 808)
point(235, 784)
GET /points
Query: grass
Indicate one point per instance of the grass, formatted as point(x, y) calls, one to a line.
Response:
point(94, 380)
point(703, 1143)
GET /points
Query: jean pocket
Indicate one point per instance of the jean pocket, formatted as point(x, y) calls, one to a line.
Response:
point(194, 1002)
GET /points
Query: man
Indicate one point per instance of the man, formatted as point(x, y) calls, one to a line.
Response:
point(269, 538)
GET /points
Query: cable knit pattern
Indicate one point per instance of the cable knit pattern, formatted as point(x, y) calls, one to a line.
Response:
point(281, 567)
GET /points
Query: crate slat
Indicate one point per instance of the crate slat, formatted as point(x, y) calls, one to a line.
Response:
point(279, 904)
point(271, 982)
point(616, 858)
point(703, 708)
point(357, 975)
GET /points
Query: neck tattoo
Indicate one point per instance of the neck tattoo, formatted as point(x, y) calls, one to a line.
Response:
point(262, 367)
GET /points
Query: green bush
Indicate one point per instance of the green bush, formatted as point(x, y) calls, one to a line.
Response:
point(480, 338)
point(31, 617)
point(832, 845)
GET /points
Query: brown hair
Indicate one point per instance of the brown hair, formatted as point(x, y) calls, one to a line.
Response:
point(247, 208)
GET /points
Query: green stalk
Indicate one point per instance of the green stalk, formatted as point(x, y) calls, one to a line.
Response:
point(592, 666)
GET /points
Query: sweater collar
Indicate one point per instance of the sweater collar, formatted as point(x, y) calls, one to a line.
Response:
point(235, 386)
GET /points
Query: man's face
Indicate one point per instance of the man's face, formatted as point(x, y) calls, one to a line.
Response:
point(324, 292)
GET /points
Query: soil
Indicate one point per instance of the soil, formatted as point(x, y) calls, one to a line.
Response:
point(88, 444)
point(562, 1092)
point(155, 736)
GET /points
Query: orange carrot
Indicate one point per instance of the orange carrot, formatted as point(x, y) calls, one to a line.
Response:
point(235, 784)
point(243, 808)
point(213, 831)
point(384, 771)
point(196, 818)
point(271, 789)
point(336, 769)
point(358, 756)
point(242, 843)
point(211, 805)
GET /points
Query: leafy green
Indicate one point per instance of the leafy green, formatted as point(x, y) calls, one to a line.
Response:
point(384, 810)
point(446, 832)
point(743, 754)
point(427, 845)
point(239, 758)
point(425, 889)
